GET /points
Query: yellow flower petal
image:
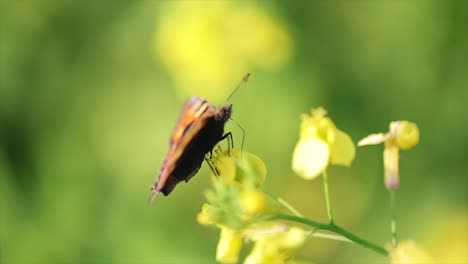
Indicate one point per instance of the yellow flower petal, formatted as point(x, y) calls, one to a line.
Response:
point(249, 167)
point(318, 112)
point(253, 165)
point(294, 238)
point(229, 246)
point(373, 139)
point(318, 125)
point(406, 133)
point(408, 252)
point(342, 150)
point(257, 257)
point(208, 215)
point(310, 157)
point(308, 128)
point(391, 161)
point(253, 202)
point(276, 247)
point(226, 165)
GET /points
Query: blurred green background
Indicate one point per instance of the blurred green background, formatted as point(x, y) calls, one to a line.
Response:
point(90, 92)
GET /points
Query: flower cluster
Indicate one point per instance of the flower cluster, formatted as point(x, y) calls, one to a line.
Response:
point(236, 204)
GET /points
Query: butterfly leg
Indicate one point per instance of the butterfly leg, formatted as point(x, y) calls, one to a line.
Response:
point(218, 150)
point(230, 140)
point(210, 157)
point(243, 135)
point(211, 165)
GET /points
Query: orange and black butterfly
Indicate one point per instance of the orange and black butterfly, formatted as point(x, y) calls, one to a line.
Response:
point(199, 129)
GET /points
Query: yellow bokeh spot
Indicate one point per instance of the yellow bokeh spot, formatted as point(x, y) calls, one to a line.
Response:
point(449, 239)
point(208, 46)
point(408, 252)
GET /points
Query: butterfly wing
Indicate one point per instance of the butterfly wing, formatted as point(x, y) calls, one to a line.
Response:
point(195, 113)
point(192, 111)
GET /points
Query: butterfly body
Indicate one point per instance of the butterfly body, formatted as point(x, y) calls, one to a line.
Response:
point(199, 129)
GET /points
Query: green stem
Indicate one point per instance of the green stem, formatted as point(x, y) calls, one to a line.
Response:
point(327, 197)
point(333, 228)
point(331, 237)
point(284, 203)
point(299, 214)
point(393, 218)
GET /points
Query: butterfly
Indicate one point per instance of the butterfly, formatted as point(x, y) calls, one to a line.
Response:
point(199, 128)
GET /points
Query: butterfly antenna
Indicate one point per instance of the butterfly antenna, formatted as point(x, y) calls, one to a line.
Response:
point(244, 80)
point(243, 135)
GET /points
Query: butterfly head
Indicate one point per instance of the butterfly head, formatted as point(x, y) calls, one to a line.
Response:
point(224, 113)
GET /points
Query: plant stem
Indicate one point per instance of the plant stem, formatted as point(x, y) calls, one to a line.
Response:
point(284, 203)
point(393, 218)
point(331, 237)
point(358, 240)
point(333, 228)
point(299, 214)
point(327, 197)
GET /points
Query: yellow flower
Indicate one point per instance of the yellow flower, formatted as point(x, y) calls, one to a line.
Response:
point(206, 46)
point(255, 202)
point(248, 169)
point(402, 135)
point(229, 246)
point(408, 252)
point(406, 134)
point(209, 215)
point(235, 200)
point(277, 246)
point(321, 144)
